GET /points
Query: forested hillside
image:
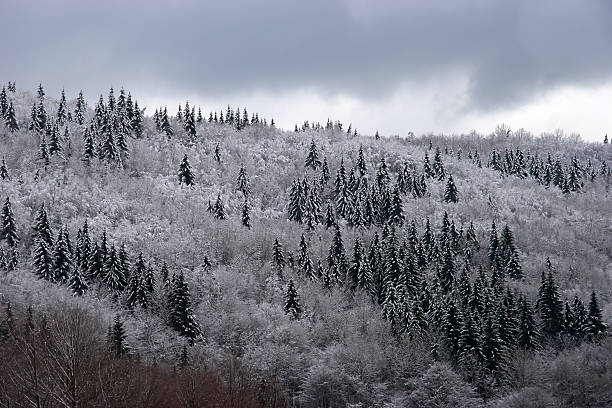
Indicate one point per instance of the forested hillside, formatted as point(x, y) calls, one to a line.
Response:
point(315, 267)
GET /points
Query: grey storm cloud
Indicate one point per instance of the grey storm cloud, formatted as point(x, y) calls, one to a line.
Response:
point(511, 50)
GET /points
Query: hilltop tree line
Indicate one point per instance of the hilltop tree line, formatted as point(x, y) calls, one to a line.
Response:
point(359, 198)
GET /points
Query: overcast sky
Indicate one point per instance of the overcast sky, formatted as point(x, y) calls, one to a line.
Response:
point(395, 66)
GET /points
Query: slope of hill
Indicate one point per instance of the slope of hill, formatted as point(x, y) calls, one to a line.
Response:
point(386, 307)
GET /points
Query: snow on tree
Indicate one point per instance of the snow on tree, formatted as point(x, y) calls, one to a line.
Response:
point(62, 258)
point(451, 193)
point(219, 209)
point(595, 326)
point(292, 303)
point(245, 216)
point(4, 174)
point(9, 227)
point(182, 318)
point(242, 182)
point(312, 159)
point(185, 174)
point(11, 119)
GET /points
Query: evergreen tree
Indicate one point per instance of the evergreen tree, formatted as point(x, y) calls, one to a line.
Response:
point(438, 166)
point(137, 290)
point(182, 318)
point(44, 151)
point(450, 193)
point(324, 171)
point(55, 142)
point(11, 119)
point(550, 306)
point(292, 303)
point(278, 256)
point(4, 174)
point(595, 326)
point(62, 259)
point(89, 145)
point(77, 283)
point(108, 149)
point(80, 109)
point(337, 263)
point(219, 209)
point(452, 331)
point(330, 217)
point(528, 335)
point(469, 342)
point(9, 227)
point(446, 273)
point(41, 92)
point(245, 216)
point(312, 159)
point(3, 103)
point(116, 338)
point(165, 124)
point(491, 348)
point(217, 153)
point(382, 174)
point(296, 202)
point(42, 228)
point(397, 209)
point(43, 259)
point(185, 173)
point(62, 115)
point(112, 274)
point(137, 123)
point(493, 245)
point(122, 146)
point(242, 182)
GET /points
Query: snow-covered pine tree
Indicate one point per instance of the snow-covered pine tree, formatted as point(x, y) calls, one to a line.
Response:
point(182, 318)
point(62, 114)
point(80, 109)
point(9, 226)
point(450, 193)
point(185, 174)
point(312, 159)
point(112, 274)
point(4, 104)
point(4, 174)
point(77, 282)
point(292, 303)
point(549, 305)
point(137, 121)
point(62, 258)
point(55, 142)
point(43, 259)
point(396, 213)
point(11, 119)
point(219, 209)
point(528, 335)
point(278, 256)
point(242, 182)
point(595, 326)
point(245, 216)
point(136, 293)
point(42, 228)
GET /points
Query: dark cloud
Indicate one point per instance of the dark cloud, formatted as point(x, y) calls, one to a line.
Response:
point(511, 50)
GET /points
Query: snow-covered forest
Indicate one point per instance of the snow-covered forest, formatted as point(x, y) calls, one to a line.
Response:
point(195, 256)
